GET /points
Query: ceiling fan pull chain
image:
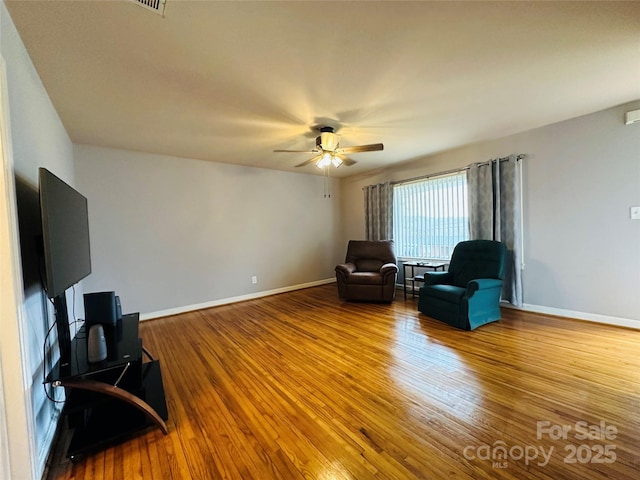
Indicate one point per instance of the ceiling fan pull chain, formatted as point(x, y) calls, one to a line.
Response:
point(324, 181)
point(327, 183)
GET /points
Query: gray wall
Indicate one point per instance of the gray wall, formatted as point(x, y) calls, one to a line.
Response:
point(582, 251)
point(38, 139)
point(169, 233)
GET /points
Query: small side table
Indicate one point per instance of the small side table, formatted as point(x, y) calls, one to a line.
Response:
point(413, 278)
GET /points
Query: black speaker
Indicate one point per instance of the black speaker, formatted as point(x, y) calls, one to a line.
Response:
point(100, 308)
point(118, 309)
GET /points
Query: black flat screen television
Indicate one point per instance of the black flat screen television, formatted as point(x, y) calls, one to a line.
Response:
point(67, 254)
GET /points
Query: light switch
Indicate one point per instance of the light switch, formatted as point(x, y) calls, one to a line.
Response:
point(635, 213)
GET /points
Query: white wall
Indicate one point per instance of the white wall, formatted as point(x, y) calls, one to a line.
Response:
point(169, 233)
point(582, 251)
point(38, 138)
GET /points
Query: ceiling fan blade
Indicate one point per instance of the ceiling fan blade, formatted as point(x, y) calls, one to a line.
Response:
point(344, 161)
point(374, 147)
point(311, 160)
point(298, 151)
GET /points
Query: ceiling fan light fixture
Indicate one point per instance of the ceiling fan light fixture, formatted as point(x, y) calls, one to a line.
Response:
point(329, 141)
point(336, 161)
point(325, 160)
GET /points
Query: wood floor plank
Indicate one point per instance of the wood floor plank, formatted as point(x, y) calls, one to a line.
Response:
point(304, 385)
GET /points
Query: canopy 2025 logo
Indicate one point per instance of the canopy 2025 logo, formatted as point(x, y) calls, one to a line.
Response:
point(499, 453)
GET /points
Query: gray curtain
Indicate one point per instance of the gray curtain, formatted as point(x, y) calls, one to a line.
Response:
point(495, 213)
point(378, 211)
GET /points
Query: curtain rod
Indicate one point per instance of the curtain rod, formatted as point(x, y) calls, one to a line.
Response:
point(455, 170)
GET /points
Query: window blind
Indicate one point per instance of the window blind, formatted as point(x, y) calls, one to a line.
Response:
point(430, 216)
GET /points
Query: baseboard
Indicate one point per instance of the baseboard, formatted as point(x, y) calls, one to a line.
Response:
point(226, 301)
point(590, 317)
point(558, 312)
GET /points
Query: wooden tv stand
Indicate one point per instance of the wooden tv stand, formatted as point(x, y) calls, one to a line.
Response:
point(110, 400)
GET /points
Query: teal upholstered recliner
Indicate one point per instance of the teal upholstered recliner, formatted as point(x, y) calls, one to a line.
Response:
point(468, 295)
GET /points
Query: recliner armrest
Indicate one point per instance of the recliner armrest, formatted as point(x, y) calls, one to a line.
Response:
point(482, 284)
point(388, 268)
point(438, 278)
point(346, 268)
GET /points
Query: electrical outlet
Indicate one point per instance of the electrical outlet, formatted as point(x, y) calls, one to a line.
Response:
point(254, 279)
point(635, 213)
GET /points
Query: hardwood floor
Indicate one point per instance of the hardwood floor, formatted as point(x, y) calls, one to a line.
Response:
point(303, 385)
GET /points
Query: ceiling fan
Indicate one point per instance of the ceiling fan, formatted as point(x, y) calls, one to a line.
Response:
point(328, 151)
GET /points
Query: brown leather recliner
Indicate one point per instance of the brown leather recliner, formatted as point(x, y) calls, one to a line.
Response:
point(369, 272)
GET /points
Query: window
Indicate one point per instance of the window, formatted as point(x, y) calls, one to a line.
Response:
point(430, 216)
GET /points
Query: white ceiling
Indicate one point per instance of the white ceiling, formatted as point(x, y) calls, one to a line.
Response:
point(232, 81)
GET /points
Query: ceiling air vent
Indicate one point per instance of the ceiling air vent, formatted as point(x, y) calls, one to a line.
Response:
point(153, 5)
